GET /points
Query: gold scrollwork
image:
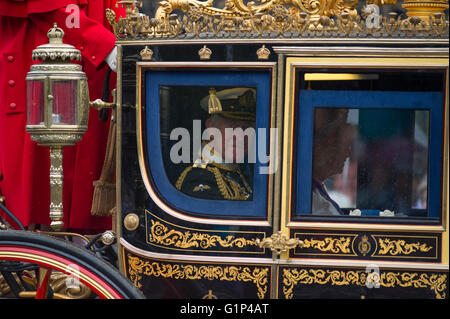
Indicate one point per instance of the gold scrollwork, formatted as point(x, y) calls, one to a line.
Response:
point(138, 267)
point(178, 237)
point(329, 244)
point(294, 276)
point(400, 247)
point(436, 282)
point(162, 235)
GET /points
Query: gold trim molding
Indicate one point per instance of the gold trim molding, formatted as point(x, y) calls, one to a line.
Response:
point(186, 19)
point(138, 267)
point(436, 282)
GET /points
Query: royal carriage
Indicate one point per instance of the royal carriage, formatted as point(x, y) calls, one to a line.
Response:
point(342, 189)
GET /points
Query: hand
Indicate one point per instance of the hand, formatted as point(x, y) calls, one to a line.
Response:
point(111, 59)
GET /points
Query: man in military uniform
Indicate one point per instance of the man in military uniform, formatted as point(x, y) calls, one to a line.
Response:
point(216, 174)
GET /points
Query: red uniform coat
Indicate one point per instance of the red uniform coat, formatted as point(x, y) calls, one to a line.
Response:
point(24, 165)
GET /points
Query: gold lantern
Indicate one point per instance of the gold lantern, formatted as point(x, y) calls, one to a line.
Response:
point(57, 108)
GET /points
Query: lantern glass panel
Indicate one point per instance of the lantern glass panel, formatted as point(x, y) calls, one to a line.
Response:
point(35, 103)
point(64, 102)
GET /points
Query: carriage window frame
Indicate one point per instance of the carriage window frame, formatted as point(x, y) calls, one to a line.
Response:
point(304, 153)
point(158, 185)
point(342, 63)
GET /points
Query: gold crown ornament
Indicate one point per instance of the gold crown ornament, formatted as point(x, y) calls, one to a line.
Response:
point(263, 53)
point(205, 53)
point(146, 54)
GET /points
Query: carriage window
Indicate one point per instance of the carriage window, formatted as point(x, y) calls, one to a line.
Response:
point(213, 126)
point(370, 144)
point(370, 159)
point(218, 125)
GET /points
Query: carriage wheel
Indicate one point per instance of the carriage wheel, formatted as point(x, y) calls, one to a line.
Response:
point(51, 254)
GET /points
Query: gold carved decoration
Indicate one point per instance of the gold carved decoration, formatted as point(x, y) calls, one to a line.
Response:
point(162, 235)
point(64, 286)
point(279, 243)
point(187, 19)
point(436, 282)
point(209, 295)
point(335, 245)
point(146, 54)
point(205, 53)
point(138, 267)
point(263, 53)
point(5, 290)
point(400, 247)
point(237, 8)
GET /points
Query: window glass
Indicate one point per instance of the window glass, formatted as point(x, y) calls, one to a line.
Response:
point(370, 159)
point(206, 135)
point(369, 143)
point(35, 101)
point(64, 102)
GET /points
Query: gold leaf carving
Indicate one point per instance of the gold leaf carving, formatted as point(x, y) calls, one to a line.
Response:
point(400, 247)
point(269, 18)
point(138, 267)
point(436, 282)
point(279, 243)
point(162, 235)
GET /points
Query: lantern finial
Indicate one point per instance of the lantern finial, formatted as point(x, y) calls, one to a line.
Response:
point(55, 34)
point(56, 50)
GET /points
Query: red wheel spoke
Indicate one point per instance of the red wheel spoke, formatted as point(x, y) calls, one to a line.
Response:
point(43, 281)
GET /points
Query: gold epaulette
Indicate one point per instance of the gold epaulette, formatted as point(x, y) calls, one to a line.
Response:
point(182, 176)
